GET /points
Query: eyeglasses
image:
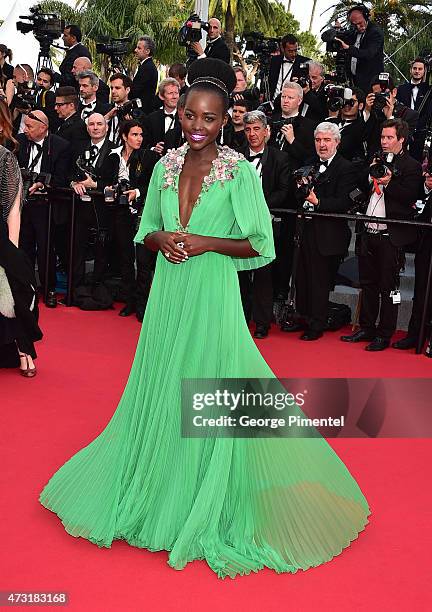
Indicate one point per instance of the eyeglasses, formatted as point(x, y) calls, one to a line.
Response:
point(61, 103)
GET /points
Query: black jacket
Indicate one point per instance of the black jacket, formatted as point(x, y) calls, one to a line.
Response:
point(370, 56)
point(66, 77)
point(332, 189)
point(275, 66)
point(276, 177)
point(303, 146)
point(141, 164)
point(154, 125)
point(103, 92)
point(105, 150)
point(55, 157)
point(353, 138)
point(400, 196)
point(100, 107)
point(218, 50)
point(144, 85)
point(74, 130)
point(45, 102)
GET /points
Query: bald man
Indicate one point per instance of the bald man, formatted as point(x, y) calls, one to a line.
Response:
point(41, 153)
point(216, 46)
point(84, 63)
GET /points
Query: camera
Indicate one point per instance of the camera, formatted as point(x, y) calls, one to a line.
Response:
point(113, 46)
point(381, 98)
point(306, 179)
point(328, 36)
point(338, 96)
point(128, 107)
point(359, 200)
point(384, 164)
point(122, 197)
point(303, 78)
point(261, 45)
point(25, 97)
point(46, 27)
point(85, 167)
point(287, 121)
point(29, 178)
point(191, 30)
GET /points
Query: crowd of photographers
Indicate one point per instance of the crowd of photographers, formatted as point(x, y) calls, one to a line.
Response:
point(325, 144)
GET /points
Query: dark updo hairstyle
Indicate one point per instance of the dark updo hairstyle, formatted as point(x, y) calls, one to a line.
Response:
point(209, 74)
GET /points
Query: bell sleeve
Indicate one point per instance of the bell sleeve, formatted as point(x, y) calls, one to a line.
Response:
point(151, 219)
point(252, 218)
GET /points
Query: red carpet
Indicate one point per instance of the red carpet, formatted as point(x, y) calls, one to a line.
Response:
point(83, 364)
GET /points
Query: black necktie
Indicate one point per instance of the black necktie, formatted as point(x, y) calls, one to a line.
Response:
point(37, 153)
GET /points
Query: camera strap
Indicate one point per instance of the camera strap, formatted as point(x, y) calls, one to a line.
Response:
point(37, 157)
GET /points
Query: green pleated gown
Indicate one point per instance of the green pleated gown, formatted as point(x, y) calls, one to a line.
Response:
point(240, 504)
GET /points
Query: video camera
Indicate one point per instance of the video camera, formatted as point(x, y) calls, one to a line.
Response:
point(29, 178)
point(328, 36)
point(383, 164)
point(337, 97)
point(191, 32)
point(46, 27)
point(113, 46)
point(260, 44)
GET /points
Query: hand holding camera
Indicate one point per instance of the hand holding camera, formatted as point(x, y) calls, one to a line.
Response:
point(288, 132)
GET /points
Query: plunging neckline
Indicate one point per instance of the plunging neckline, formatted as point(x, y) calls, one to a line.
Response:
point(205, 182)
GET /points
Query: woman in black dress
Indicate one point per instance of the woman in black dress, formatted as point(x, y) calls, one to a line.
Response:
point(18, 299)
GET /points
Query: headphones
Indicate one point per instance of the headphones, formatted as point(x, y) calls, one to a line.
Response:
point(361, 8)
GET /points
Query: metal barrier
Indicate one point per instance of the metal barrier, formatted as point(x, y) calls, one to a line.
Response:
point(302, 215)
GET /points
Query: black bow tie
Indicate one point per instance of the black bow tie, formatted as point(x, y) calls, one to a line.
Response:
point(324, 163)
point(287, 61)
point(170, 115)
point(255, 156)
point(37, 146)
point(89, 105)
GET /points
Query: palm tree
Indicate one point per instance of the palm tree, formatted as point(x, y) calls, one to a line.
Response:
point(312, 15)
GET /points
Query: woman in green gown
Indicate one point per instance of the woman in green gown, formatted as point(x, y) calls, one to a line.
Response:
point(241, 504)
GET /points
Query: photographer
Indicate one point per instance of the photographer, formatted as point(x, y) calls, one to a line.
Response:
point(216, 47)
point(365, 51)
point(324, 242)
point(84, 63)
point(45, 97)
point(285, 66)
point(291, 132)
point(20, 95)
point(314, 97)
point(352, 126)
point(241, 91)
point(88, 86)
point(160, 121)
point(72, 128)
point(233, 134)
point(272, 167)
point(146, 76)
point(381, 104)
point(40, 154)
point(74, 48)
point(127, 171)
point(417, 95)
point(423, 252)
point(178, 72)
point(394, 185)
point(6, 70)
point(120, 86)
point(92, 210)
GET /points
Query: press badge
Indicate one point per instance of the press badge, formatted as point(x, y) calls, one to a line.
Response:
point(395, 296)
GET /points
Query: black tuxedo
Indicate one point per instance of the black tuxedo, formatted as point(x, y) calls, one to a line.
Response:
point(324, 242)
point(257, 290)
point(370, 56)
point(99, 107)
point(174, 138)
point(353, 138)
point(379, 253)
point(315, 102)
point(218, 50)
point(88, 215)
point(275, 66)
point(155, 126)
point(6, 72)
point(73, 129)
point(123, 223)
point(144, 85)
point(303, 147)
point(66, 77)
point(423, 106)
point(55, 160)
